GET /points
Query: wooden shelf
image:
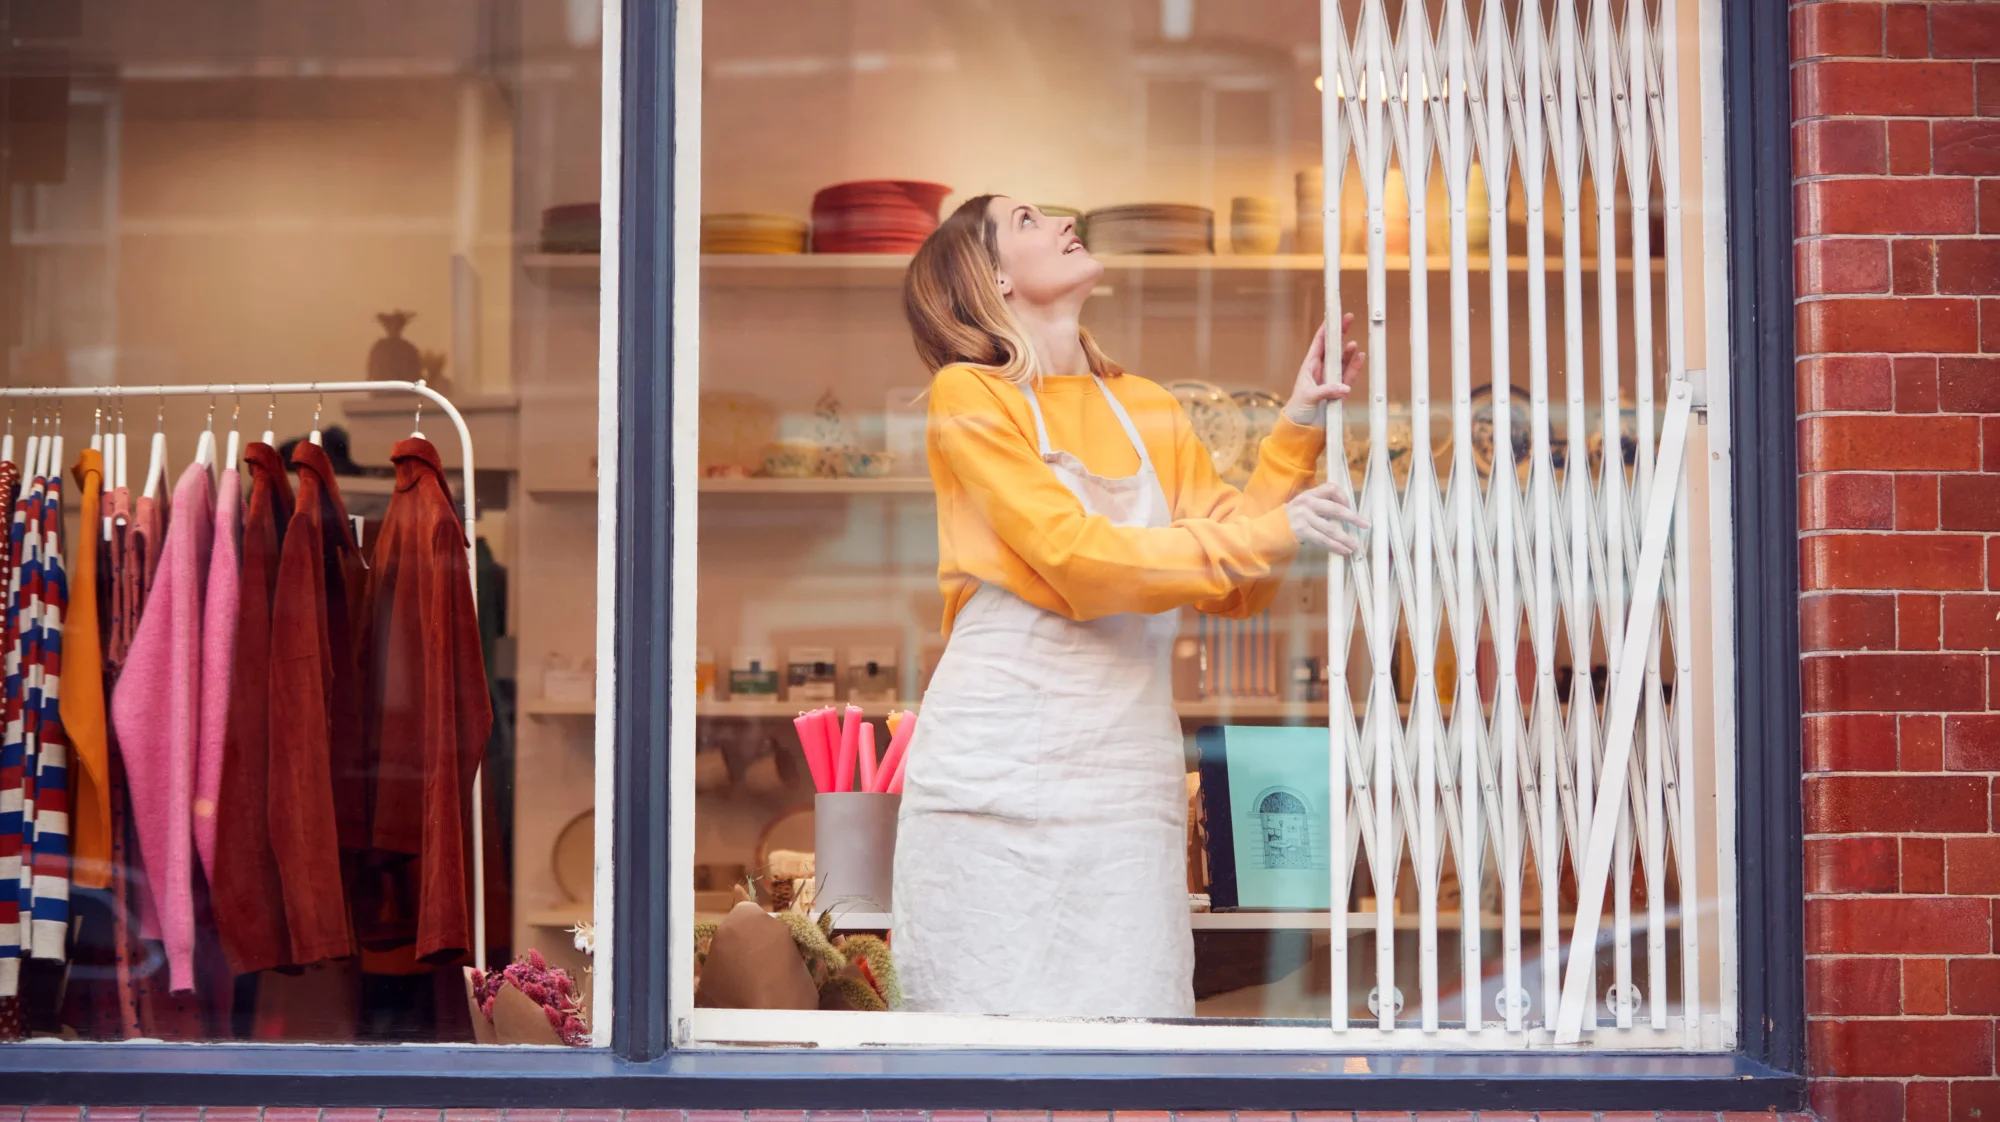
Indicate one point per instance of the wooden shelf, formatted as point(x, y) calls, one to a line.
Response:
point(1254, 708)
point(885, 270)
point(564, 916)
point(759, 485)
point(759, 710)
point(1266, 709)
point(748, 709)
point(762, 485)
point(744, 709)
point(563, 270)
point(546, 707)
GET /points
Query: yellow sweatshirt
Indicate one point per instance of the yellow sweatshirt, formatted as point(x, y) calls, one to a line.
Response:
point(1004, 518)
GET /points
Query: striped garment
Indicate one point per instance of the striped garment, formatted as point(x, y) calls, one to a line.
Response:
point(14, 809)
point(49, 933)
point(34, 775)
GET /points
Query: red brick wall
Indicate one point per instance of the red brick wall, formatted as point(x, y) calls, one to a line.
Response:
point(1896, 153)
point(395, 1114)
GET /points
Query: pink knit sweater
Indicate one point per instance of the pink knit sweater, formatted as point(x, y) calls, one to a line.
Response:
point(156, 710)
point(218, 658)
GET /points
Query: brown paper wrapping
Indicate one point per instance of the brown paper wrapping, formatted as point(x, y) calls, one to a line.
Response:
point(516, 1017)
point(518, 1020)
point(754, 964)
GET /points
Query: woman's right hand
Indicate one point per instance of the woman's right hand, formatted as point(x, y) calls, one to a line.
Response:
point(1321, 516)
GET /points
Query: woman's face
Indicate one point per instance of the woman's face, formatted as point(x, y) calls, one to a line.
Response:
point(1042, 261)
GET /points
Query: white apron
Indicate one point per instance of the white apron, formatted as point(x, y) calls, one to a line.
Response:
point(1041, 860)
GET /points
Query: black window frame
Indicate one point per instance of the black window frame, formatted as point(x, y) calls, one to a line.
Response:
point(643, 1068)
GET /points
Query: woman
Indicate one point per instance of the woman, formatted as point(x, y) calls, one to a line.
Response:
point(1040, 859)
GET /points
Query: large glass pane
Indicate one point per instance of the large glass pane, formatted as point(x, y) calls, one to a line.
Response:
point(848, 506)
point(1118, 799)
point(290, 745)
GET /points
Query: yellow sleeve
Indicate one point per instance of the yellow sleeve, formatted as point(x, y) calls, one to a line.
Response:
point(1092, 567)
point(1286, 463)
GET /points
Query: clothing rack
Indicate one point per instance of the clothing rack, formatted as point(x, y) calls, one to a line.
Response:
point(256, 389)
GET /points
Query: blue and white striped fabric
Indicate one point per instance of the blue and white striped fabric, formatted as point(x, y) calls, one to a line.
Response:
point(17, 825)
point(48, 932)
point(13, 769)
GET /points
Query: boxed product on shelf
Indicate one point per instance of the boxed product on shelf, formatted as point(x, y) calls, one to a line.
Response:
point(753, 672)
point(871, 674)
point(810, 674)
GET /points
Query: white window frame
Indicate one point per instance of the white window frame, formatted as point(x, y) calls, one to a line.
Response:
point(693, 1028)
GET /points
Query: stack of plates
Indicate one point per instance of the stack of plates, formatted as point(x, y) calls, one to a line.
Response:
point(1151, 228)
point(875, 216)
point(752, 233)
point(570, 228)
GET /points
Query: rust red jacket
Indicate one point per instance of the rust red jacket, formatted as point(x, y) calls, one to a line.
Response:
point(247, 891)
point(319, 771)
point(429, 714)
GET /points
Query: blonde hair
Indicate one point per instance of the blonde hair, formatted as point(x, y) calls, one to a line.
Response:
point(955, 308)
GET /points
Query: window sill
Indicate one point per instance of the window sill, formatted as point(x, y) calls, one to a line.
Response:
point(224, 1074)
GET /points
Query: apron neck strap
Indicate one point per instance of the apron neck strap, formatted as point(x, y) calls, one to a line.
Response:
point(1117, 408)
point(1041, 430)
point(1125, 421)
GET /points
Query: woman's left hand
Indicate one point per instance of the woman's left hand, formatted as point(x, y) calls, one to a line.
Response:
point(1314, 389)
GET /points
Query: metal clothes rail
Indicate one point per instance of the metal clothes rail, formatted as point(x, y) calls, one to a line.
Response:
point(272, 389)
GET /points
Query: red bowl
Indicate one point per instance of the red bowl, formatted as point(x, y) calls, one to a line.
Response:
point(570, 212)
point(916, 194)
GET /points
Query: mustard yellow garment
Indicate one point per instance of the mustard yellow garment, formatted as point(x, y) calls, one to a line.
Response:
point(1004, 518)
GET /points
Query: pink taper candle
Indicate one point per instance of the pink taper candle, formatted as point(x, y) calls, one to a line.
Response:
point(850, 746)
point(867, 758)
point(812, 742)
point(899, 743)
point(895, 784)
point(829, 725)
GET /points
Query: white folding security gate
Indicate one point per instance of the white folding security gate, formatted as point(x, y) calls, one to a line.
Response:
point(1580, 556)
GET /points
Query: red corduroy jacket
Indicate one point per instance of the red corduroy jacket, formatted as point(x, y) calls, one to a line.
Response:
point(429, 713)
point(319, 766)
point(247, 888)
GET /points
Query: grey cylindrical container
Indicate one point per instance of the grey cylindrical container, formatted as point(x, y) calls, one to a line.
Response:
point(854, 849)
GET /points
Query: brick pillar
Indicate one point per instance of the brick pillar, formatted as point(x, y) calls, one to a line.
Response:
point(1896, 131)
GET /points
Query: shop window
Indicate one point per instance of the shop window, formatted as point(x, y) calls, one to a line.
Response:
point(702, 451)
point(1020, 715)
point(299, 701)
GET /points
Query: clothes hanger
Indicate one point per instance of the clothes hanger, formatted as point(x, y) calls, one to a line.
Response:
point(237, 439)
point(29, 458)
point(7, 441)
point(157, 469)
point(114, 471)
point(55, 450)
point(204, 446)
point(318, 404)
point(103, 442)
point(269, 416)
point(417, 423)
point(37, 451)
point(39, 454)
point(123, 456)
